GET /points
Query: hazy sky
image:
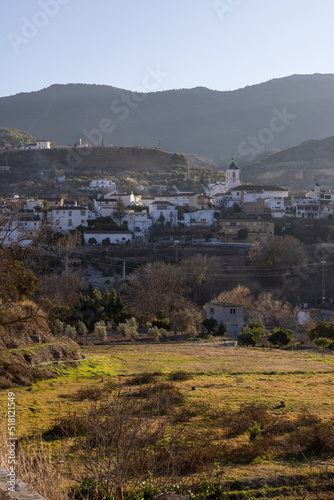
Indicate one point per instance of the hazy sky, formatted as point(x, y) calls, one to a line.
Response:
point(155, 45)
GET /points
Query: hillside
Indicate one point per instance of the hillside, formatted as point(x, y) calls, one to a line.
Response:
point(90, 162)
point(205, 122)
point(299, 167)
point(14, 138)
point(28, 347)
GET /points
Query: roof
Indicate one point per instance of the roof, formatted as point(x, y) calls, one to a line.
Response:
point(233, 166)
point(250, 188)
point(164, 202)
point(226, 304)
point(107, 232)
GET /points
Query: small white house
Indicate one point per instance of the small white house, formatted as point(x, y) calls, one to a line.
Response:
point(199, 218)
point(163, 211)
point(38, 145)
point(68, 217)
point(112, 237)
point(139, 223)
point(102, 184)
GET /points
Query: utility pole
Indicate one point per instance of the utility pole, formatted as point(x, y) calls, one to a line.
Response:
point(323, 300)
point(123, 271)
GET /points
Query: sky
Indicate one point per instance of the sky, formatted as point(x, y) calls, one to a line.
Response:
point(156, 45)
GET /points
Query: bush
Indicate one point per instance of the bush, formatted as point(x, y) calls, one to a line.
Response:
point(210, 324)
point(100, 331)
point(129, 329)
point(70, 331)
point(246, 338)
point(323, 329)
point(280, 336)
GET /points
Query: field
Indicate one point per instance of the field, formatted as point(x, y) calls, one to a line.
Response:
point(214, 389)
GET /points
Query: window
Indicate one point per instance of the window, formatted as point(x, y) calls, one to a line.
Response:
point(70, 213)
point(212, 311)
point(232, 311)
point(82, 213)
point(70, 223)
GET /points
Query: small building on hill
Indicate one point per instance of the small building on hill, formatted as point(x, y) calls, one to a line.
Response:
point(231, 315)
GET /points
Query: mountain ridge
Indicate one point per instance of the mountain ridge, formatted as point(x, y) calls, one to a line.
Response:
point(208, 123)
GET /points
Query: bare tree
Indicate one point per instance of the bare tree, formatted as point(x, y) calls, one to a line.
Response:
point(275, 312)
point(154, 287)
point(238, 295)
point(110, 438)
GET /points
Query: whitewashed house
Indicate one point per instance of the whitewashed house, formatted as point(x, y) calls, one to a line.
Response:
point(38, 145)
point(163, 211)
point(104, 207)
point(66, 217)
point(102, 184)
point(199, 218)
point(139, 223)
point(180, 199)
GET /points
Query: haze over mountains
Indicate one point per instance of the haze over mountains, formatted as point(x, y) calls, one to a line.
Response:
point(277, 114)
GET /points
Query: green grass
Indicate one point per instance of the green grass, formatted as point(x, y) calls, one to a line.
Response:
point(222, 378)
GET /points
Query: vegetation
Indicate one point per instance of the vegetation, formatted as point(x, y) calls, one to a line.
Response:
point(147, 430)
point(12, 138)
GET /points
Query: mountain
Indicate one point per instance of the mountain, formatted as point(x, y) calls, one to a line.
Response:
point(213, 124)
point(299, 167)
point(14, 138)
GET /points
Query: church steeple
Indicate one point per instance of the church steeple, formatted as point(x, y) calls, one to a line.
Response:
point(232, 176)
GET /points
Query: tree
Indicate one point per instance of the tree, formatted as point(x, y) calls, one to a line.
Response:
point(238, 295)
point(254, 331)
point(323, 343)
point(322, 329)
point(278, 252)
point(280, 336)
point(154, 287)
point(246, 338)
point(119, 210)
point(210, 324)
point(275, 312)
point(256, 328)
point(109, 306)
point(100, 331)
point(129, 329)
point(242, 234)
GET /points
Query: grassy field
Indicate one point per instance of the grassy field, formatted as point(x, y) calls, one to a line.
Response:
point(219, 381)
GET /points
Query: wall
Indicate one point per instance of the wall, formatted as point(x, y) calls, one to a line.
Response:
point(22, 491)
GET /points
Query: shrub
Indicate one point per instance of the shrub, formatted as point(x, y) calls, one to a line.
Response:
point(247, 415)
point(179, 375)
point(82, 328)
point(210, 324)
point(142, 378)
point(323, 329)
point(100, 331)
point(70, 331)
point(280, 336)
point(129, 329)
point(246, 338)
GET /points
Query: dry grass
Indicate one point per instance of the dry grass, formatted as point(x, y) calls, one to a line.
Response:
point(216, 395)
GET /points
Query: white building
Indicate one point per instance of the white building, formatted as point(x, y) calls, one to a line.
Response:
point(68, 217)
point(163, 211)
point(139, 223)
point(232, 180)
point(112, 237)
point(38, 145)
point(103, 184)
point(180, 199)
point(199, 218)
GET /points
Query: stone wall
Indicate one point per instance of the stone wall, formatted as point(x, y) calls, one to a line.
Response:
point(22, 491)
